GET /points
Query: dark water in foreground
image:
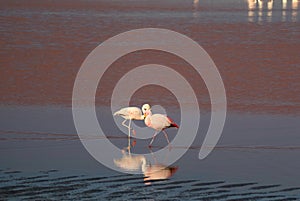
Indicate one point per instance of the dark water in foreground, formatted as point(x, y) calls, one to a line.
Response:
point(51, 184)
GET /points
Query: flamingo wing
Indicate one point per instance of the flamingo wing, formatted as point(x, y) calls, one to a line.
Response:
point(159, 122)
point(130, 113)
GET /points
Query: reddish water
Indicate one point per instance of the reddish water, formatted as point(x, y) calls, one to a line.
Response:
point(44, 44)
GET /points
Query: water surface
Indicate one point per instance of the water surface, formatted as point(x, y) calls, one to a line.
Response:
point(255, 45)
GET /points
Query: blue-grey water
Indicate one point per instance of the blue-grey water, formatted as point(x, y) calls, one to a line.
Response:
point(42, 157)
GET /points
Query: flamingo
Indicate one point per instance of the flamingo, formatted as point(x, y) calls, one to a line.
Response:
point(130, 113)
point(158, 122)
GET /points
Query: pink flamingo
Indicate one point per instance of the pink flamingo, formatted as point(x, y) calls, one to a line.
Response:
point(158, 122)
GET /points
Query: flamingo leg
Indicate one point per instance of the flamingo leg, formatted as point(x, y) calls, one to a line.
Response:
point(154, 158)
point(129, 147)
point(166, 135)
point(123, 123)
point(129, 128)
point(153, 138)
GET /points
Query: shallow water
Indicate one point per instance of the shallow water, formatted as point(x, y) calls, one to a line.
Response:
point(255, 45)
point(256, 158)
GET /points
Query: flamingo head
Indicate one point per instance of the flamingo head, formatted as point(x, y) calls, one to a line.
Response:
point(145, 108)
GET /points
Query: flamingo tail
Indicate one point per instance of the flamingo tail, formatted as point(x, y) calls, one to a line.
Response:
point(172, 123)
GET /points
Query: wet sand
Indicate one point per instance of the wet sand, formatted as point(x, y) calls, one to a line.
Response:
point(255, 47)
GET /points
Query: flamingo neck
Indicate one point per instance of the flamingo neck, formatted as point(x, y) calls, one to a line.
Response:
point(148, 113)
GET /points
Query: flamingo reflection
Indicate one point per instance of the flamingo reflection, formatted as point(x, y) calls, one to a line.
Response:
point(196, 6)
point(157, 171)
point(152, 172)
point(295, 10)
point(129, 162)
point(258, 8)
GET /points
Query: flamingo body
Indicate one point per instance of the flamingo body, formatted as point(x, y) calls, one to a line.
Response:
point(133, 113)
point(130, 113)
point(158, 122)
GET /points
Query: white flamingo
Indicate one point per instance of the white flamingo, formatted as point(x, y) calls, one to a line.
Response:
point(130, 113)
point(158, 122)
